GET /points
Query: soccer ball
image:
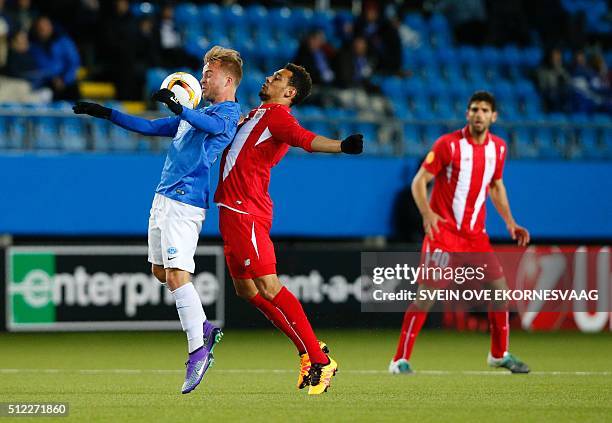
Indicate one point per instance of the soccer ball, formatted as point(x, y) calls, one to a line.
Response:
point(185, 87)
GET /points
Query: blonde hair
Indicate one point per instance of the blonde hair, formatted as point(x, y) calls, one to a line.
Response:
point(229, 60)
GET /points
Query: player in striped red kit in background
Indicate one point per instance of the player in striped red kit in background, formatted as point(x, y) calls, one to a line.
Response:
point(245, 213)
point(467, 165)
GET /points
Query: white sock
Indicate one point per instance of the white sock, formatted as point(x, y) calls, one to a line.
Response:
point(191, 313)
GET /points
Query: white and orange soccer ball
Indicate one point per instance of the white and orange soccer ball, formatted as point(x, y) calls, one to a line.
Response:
point(185, 87)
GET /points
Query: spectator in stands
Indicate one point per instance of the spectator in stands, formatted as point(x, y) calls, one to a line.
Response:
point(588, 92)
point(120, 42)
point(554, 82)
point(354, 65)
point(23, 79)
point(23, 15)
point(5, 28)
point(315, 55)
point(57, 57)
point(20, 62)
point(468, 19)
point(170, 41)
point(382, 37)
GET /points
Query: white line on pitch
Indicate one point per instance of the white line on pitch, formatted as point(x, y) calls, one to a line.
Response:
point(350, 371)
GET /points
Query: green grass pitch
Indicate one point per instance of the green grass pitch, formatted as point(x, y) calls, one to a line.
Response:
point(115, 377)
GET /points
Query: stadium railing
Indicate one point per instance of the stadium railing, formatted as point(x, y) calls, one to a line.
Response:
point(33, 129)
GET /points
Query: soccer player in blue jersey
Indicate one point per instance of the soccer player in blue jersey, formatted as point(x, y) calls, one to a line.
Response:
point(182, 196)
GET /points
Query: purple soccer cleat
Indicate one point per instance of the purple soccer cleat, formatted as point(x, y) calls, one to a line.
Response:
point(201, 359)
point(212, 336)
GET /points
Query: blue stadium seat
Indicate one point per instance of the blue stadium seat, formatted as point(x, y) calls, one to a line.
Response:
point(282, 18)
point(303, 17)
point(502, 132)
point(439, 32)
point(211, 15)
point(545, 141)
point(445, 110)
point(532, 56)
point(424, 57)
point(476, 75)
point(432, 73)
point(393, 87)
point(17, 132)
point(45, 133)
point(99, 134)
point(414, 86)
point(447, 56)
point(413, 146)
point(369, 131)
point(120, 139)
point(416, 22)
point(324, 20)
point(154, 78)
point(234, 16)
point(73, 136)
point(511, 56)
point(525, 90)
point(468, 55)
point(422, 108)
point(490, 56)
point(186, 14)
point(524, 145)
point(3, 132)
point(430, 133)
point(257, 15)
point(453, 74)
point(438, 23)
point(607, 143)
point(588, 139)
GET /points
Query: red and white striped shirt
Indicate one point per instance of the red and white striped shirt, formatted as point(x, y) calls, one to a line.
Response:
point(463, 171)
point(261, 141)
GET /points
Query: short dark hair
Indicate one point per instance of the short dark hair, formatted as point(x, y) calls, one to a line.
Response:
point(301, 81)
point(483, 96)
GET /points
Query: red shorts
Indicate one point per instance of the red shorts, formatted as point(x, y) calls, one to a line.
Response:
point(247, 246)
point(449, 249)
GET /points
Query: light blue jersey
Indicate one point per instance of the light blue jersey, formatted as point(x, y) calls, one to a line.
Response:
point(199, 137)
point(186, 173)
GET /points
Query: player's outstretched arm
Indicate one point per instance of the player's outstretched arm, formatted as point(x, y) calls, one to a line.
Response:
point(212, 124)
point(499, 198)
point(162, 127)
point(353, 144)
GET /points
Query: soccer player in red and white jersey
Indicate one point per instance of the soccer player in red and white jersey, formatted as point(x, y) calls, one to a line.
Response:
point(466, 165)
point(245, 212)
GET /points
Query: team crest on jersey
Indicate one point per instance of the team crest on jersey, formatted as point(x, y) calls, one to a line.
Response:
point(247, 262)
point(184, 126)
point(172, 250)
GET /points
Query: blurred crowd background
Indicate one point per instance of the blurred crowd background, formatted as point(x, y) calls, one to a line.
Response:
point(398, 71)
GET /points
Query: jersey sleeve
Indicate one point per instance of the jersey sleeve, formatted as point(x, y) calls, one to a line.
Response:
point(165, 127)
point(438, 157)
point(285, 128)
point(214, 123)
point(502, 150)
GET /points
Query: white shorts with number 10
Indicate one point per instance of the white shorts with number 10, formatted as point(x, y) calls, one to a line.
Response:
point(174, 229)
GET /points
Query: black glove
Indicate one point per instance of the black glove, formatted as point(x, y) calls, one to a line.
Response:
point(91, 109)
point(353, 144)
point(169, 99)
